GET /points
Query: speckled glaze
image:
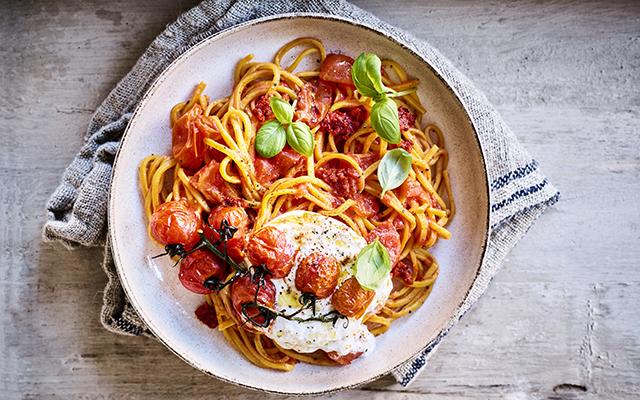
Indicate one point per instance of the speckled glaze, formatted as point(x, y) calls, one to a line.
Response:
point(154, 289)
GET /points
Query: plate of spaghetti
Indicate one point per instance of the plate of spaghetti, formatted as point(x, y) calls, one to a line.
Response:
point(299, 205)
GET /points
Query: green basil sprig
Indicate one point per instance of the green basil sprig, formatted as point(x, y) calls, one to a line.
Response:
point(367, 78)
point(393, 169)
point(372, 266)
point(273, 135)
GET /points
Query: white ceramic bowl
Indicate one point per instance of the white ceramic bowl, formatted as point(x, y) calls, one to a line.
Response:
point(168, 309)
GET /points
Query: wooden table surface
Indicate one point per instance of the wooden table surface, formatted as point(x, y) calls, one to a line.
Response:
point(560, 321)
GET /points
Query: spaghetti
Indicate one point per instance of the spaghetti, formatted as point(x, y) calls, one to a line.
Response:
point(214, 162)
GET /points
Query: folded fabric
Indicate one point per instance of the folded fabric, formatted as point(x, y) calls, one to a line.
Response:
point(77, 210)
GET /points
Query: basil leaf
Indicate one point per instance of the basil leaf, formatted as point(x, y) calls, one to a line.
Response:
point(270, 139)
point(393, 169)
point(372, 265)
point(281, 109)
point(385, 120)
point(366, 75)
point(300, 138)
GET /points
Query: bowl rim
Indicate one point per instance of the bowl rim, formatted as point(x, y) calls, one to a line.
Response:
point(242, 26)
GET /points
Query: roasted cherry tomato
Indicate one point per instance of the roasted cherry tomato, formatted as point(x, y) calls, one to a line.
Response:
point(388, 236)
point(337, 68)
point(235, 217)
point(345, 359)
point(405, 272)
point(243, 291)
point(176, 222)
point(188, 146)
point(199, 266)
point(318, 274)
point(351, 299)
point(269, 246)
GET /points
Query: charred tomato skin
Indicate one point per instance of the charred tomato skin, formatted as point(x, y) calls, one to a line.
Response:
point(318, 274)
point(351, 299)
point(270, 247)
point(176, 222)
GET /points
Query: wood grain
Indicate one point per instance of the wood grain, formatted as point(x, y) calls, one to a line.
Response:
point(561, 320)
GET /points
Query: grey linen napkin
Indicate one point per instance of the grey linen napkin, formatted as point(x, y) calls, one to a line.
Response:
point(77, 210)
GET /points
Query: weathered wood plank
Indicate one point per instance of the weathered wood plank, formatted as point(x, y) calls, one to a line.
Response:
point(561, 319)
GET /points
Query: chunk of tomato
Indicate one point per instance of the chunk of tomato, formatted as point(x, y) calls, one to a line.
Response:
point(286, 163)
point(341, 176)
point(405, 272)
point(314, 101)
point(188, 146)
point(210, 183)
point(388, 236)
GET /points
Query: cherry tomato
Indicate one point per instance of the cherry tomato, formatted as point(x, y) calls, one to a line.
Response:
point(388, 236)
point(188, 139)
point(235, 217)
point(243, 291)
point(405, 272)
point(351, 299)
point(269, 246)
point(345, 359)
point(176, 222)
point(337, 68)
point(199, 266)
point(318, 274)
point(411, 189)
